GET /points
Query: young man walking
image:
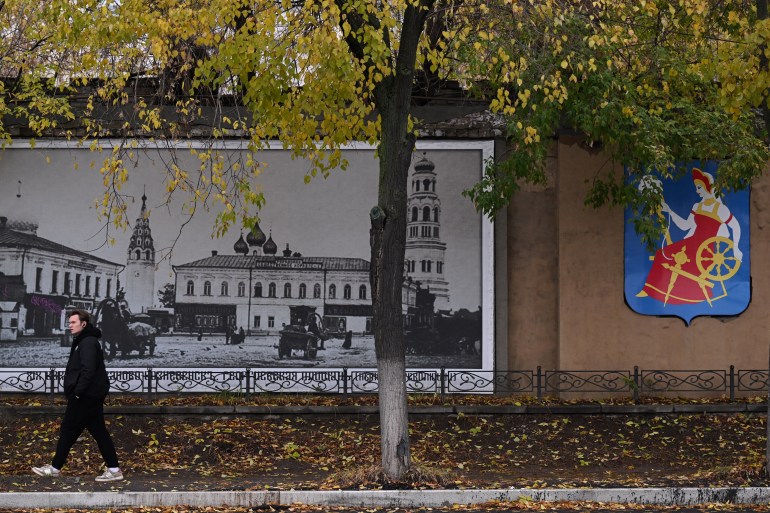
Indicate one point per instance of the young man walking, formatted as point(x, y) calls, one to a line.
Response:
point(85, 385)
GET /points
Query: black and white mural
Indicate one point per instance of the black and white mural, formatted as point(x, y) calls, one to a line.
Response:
point(292, 293)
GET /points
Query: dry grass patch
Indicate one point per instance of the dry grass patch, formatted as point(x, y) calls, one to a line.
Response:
point(373, 477)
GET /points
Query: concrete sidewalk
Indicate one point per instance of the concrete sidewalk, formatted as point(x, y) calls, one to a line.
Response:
point(379, 498)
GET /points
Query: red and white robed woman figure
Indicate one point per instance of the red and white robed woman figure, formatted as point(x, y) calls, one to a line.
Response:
point(675, 277)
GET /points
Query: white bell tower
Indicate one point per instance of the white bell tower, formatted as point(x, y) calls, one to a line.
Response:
point(425, 253)
point(140, 267)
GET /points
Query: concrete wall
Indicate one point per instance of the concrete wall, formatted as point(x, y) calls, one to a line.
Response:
point(533, 275)
point(566, 272)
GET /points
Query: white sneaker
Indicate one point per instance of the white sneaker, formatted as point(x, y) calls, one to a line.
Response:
point(109, 475)
point(46, 471)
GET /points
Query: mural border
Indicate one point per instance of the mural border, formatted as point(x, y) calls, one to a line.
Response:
point(487, 249)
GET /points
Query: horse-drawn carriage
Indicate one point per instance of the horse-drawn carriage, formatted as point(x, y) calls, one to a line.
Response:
point(303, 334)
point(121, 332)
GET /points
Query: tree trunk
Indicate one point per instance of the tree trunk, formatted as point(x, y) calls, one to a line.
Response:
point(388, 240)
point(388, 243)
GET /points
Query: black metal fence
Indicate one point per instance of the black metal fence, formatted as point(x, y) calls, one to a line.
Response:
point(634, 383)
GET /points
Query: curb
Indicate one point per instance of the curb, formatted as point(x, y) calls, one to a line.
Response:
point(383, 498)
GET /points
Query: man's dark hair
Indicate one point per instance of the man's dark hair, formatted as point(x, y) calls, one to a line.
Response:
point(83, 315)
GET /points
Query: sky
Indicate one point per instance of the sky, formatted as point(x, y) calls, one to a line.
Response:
point(327, 217)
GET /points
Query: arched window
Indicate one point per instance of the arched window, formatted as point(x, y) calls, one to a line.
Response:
point(258, 289)
point(317, 290)
point(206, 288)
point(362, 292)
point(346, 292)
point(190, 288)
point(414, 213)
point(148, 255)
point(138, 254)
point(241, 289)
point(271, 290)
point(426, 213)
point(224, 289)
point(417, 185)
point(287, 290)
point(426, 184)
point(302, 291)
point(332, 291)
point(435, 214)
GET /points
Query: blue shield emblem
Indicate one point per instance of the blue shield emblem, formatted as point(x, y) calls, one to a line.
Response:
point(701, 266)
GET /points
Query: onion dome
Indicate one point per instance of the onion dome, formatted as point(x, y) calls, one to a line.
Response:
point(240, 246)
point(424, 166)
point(256, 237)
point(270, 247)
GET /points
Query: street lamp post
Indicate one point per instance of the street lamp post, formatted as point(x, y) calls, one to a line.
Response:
point(66, 336)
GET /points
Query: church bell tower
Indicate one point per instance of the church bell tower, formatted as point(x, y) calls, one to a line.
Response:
point(140, 267)
point(425, 252)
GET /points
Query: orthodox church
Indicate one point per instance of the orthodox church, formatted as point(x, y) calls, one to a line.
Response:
point(258, 287)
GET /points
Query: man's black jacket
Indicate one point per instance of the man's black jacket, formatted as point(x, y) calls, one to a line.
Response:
point(86, 375)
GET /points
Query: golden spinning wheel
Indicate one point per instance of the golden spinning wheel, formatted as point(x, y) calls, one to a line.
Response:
point(716, 260)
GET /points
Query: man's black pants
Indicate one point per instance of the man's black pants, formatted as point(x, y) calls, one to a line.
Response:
point(84, 413)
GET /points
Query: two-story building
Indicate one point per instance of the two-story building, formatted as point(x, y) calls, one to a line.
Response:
point(53, 277)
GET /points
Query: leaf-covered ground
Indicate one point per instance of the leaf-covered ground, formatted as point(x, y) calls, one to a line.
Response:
point(309, 452)
point(493, 507)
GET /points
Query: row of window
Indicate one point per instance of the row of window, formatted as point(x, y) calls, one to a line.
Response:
point(258, 321)
point(208, 321)
point(423, 231)
point(80, 286)
point(428, 185)
point(215, 321)
point(147, 253)
point(224, 290)
point(426, 266)
point(425, 214)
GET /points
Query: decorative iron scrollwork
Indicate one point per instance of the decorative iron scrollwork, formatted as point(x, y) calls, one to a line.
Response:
point(468, 382)
point(753, 380)
point(197, 380)
point(684, 381)
point(25, 381)
point(365, 381)
point(588, 381)
point(315, 382)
